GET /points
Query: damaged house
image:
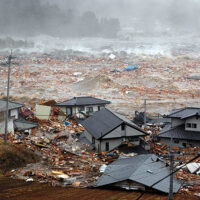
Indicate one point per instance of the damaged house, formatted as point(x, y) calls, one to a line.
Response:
point(15, 122)
point(106, 130)
point(13, 113)
point(85, 105)
point(145, 172)
point(184, 128)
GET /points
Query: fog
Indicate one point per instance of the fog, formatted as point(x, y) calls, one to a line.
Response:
point(121, 25)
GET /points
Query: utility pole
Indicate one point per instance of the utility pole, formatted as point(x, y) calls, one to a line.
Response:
point(171, 170)
point(7, 100)
point(145, 116)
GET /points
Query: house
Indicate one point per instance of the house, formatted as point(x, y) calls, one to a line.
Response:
point(107, 130)
point(22, 125)
point(184, 128)
point(86, 105)
point(13, 113)
point(145, 172)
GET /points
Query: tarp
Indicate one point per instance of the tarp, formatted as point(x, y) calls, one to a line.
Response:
point(129, 68)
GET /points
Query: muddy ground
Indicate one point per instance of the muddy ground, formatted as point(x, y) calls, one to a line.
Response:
point(11, 189)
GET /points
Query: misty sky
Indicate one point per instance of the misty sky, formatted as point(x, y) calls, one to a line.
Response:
point(145, 15)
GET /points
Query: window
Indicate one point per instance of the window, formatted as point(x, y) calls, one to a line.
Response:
point(107, 146)
point(123, 127)
point(89, 109)
point(93, 140)
point(176, 141)
point(81, 108)
point(194, 125)
point(188, 125)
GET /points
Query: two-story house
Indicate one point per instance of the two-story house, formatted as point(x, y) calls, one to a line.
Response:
point(184, 128)
point(13, 113)
point(107, 130)
point(86, 105)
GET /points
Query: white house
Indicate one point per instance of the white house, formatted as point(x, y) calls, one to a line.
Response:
point(184, 128)
point(13, 114)
point(86, 105)
point(107, 130)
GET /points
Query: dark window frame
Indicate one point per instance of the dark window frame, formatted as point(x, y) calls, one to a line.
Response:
point(107, 146)
point(123, 127)
point(81, 108)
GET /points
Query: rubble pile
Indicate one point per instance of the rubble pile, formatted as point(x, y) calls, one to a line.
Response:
point(160, 78)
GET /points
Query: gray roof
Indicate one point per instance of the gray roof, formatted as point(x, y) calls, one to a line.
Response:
point(11, 105)
point(82, 101)
point(179, 132)
point(146, 169)
point(104, 121)
point(21, 124)
point(184, 112)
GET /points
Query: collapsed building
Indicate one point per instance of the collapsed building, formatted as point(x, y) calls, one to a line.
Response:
point(142, 172)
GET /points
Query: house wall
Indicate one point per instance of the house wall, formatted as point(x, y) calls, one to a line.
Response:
point(180, 143)
point(194, 121)
point(113, 143)
point(118, 132)
point(14, 113)
point(130, 131)
point(10, 126)
point(88, 136)
point(75, 109)
point(115, 133)
point(176, 122)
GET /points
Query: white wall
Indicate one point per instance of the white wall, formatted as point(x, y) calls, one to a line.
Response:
point(177, 122)
point(10, 126)
point(195, 121)
point(128, 132)
point(14, 113)
point(113, 143)
point(115, 133)
point(88, 136)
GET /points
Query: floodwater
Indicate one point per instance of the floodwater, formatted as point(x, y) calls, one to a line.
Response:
point(11, 189)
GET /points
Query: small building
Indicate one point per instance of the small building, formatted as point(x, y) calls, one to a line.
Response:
point(86, 105)
point(13, 113)
point(145, 172)
point(184, 128)
point(106, 130)
point(22, 125)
